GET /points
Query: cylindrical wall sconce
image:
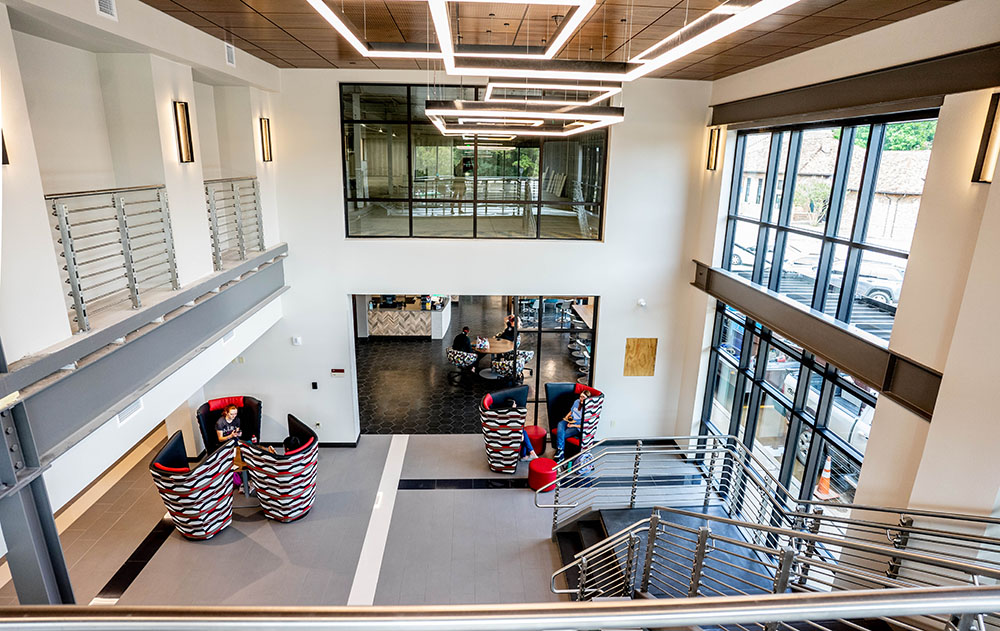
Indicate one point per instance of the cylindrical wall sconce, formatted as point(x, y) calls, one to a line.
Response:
point(989, 146)
point(713, 149)
point(265, 139)
point(182, 121)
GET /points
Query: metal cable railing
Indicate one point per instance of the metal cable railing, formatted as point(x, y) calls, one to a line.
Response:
point(234, 218)
point(795, 611)
point(681, 554)
point(719, 474)
point(115, 245)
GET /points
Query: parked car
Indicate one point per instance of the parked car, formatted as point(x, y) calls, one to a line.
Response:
point(880, 282)
point(850, 418)
point(742, 256)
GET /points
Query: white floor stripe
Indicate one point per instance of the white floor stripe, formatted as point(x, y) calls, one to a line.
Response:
point(370, 561)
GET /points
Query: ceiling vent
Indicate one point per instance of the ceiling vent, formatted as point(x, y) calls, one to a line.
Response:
point(130, 411)
point(230, 54)
point(108, 9)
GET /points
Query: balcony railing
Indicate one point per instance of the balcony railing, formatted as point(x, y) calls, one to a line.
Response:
point(115, 245)
point(234, 218)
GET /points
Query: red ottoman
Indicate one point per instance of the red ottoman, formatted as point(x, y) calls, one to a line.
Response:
point(540, 473)
point(537, 436)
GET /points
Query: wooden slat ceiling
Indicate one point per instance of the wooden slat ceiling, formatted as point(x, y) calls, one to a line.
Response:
point(290, 34)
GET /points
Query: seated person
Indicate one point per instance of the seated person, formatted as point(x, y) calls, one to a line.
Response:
point(571, 425)
point(509, 333)
point(527, 449)
point(462, 341)
point(291, 443)
point(228, 425)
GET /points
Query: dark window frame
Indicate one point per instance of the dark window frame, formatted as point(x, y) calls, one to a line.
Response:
point(410, 122)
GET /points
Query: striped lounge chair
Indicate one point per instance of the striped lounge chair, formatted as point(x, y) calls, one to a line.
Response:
point(199, 498)
point(503, 414)
point(285, 483)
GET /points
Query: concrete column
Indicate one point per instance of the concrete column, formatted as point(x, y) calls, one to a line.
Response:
point(944, 242)
point(32, 306)
point(958, 469)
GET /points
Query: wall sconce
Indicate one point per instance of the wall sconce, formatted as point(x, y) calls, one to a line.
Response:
point(713, 149)
point(989, 146)
point(265, 139)
point(182, 121)
point(3, 144)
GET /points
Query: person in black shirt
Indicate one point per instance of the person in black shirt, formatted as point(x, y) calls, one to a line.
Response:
point(228, 424)
point(509, 333)
point(462, 341)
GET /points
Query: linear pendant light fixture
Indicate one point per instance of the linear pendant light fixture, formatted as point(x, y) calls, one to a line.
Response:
point(507, 92)
point(534, 63)
point(456, 118)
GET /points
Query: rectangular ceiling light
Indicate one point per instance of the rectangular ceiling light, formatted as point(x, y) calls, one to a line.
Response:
point(383, 51)
point(495, 92)
point(442, 27)
point(476, 117)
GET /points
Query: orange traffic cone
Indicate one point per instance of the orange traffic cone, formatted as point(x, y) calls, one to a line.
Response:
point(823, 491)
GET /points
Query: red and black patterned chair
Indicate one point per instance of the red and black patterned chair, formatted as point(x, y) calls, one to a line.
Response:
point(198, 498)
point(249, 414)
point(503, 414)
point(559, 400)
point(285, 483)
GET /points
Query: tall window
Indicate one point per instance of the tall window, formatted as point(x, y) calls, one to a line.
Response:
point(831, 229)
point(403, 178)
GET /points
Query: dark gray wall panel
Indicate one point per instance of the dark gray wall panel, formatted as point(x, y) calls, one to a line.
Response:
point(60, 410)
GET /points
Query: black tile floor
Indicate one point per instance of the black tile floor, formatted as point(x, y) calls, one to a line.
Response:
point(403, 385)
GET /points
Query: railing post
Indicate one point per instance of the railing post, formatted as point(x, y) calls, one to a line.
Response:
point(813, 527)
point(899, 541)
point(654, 528)
point(629, 582)
point(168, 237)
point(555, 509)
point(781, 578)
point(133, 286)
point(581, 582)
point(213, 222)
point(699, 560)
point(709, 479)
point(240, 236)
point(966, 622)
point(260, 214)
point(70, 255)
point(635, 473)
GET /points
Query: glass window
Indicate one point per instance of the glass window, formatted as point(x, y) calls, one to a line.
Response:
point(462, 186)
point(798, 269)
point(510, 220)
point(569, 221)
point(573, 169)
point(851, 413)
point(724, 392)
point(782, 372)
point(373, 102)
point(744, 248)
point(731, 341)
point(837, 479)
point(836, 281)
point(378, 218)
point(906, 150)
point(859, 148)
point(772, 429)
point(377, 164)
point(814, 178)
point(880, 279)
point(779, 182)
point(754, 167)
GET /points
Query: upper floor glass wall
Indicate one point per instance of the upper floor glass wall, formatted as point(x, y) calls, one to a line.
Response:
point(825, 215)
point(403, 178)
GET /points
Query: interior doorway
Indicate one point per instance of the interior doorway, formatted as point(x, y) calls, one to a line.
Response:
point(406, 384)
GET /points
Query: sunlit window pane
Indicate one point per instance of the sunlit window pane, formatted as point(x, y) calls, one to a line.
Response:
point(814, 178)
point(751, 183)
point(772, 429)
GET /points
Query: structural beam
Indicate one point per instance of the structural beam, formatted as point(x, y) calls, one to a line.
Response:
point(912, 385)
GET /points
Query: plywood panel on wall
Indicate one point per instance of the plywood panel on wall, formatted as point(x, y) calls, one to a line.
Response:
point(640, 356)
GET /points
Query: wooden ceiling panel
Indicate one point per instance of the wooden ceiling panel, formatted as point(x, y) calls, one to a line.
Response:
point(290, 34)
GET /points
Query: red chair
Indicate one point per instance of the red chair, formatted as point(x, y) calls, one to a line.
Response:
point(248, 412)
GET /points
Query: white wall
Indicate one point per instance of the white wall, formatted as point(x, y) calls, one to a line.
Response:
point(208, 132)
point(184, 181)
point(32, 309)
point(63, 90)
point(652, 186)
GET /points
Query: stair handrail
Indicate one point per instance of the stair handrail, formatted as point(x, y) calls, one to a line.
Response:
point(663, 613)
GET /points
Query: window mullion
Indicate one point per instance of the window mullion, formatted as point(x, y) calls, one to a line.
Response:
point(835, 208)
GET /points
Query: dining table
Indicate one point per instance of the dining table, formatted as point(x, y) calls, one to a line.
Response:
point(496, 347)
